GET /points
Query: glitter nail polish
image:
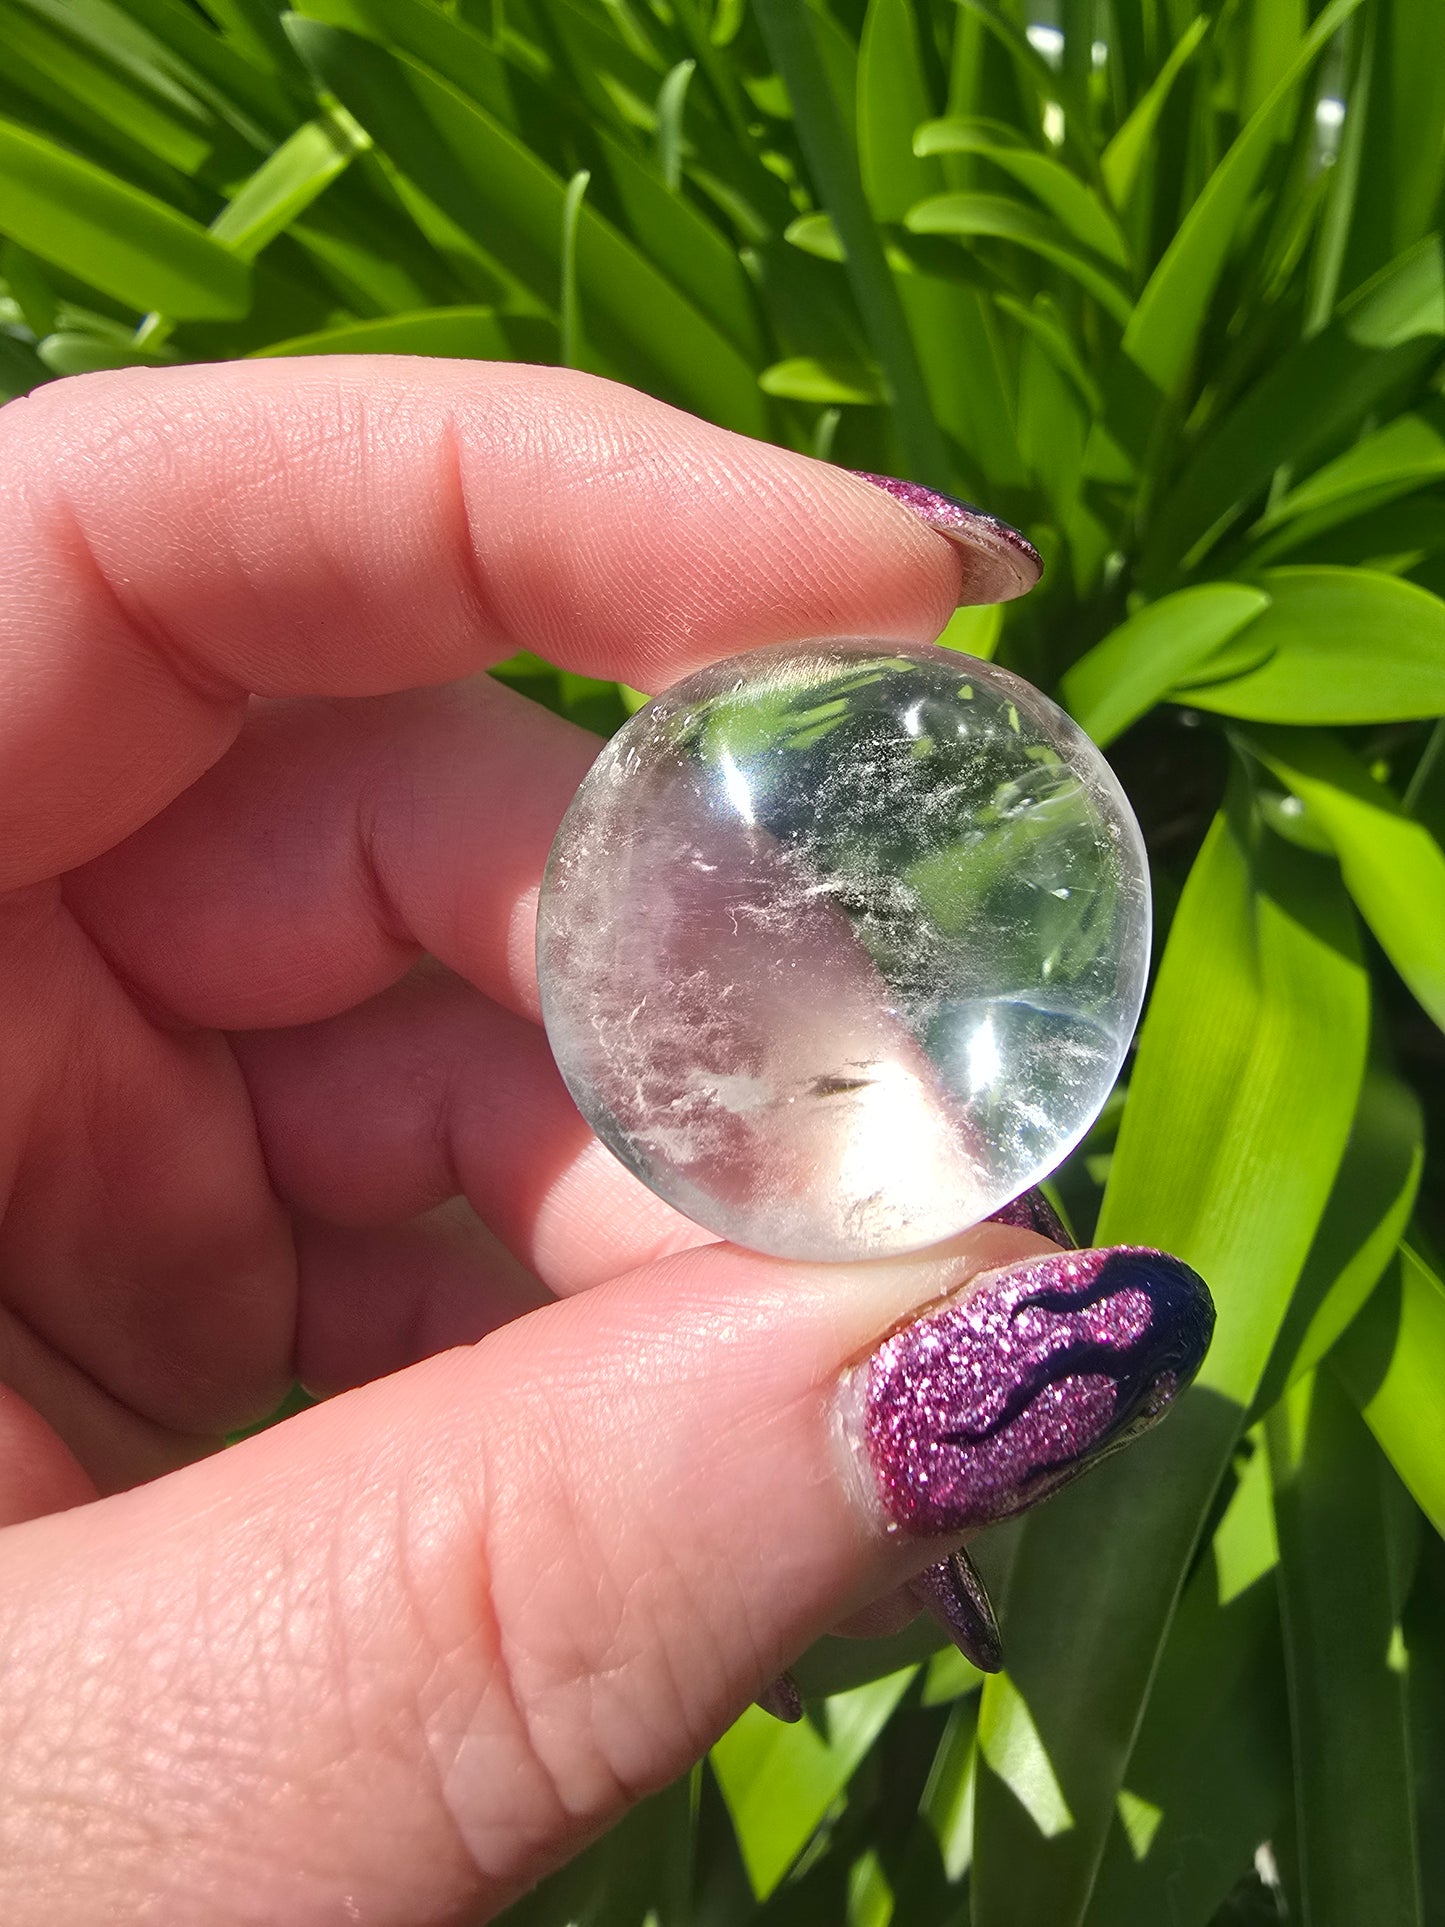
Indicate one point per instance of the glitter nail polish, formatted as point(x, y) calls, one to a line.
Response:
point(994, 1399)
point(1033, 1212)
point(782, 1699)
point(955, 1595)
point(999, 563)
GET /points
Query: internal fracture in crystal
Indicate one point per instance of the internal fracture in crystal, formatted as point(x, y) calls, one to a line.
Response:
point(841, 945)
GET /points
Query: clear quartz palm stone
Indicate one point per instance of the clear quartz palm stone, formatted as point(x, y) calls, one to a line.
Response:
point(841, 944)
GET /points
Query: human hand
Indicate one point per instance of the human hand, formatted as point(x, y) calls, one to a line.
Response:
point(268, 1012)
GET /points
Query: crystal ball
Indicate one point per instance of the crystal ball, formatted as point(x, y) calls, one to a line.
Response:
point(841, 944)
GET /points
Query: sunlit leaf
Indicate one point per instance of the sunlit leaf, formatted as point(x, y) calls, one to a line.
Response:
point(1373, 1195)
point(1303, 402)
point(1393, 1363)
point(779, 1781)
point(1353, 1805)
point(1128, 151)
point(1393, 866)
point(999, 217)
point(469, 333)
point(111, 235)
point(1072, 202)
point(804, 379)
point(1163, 333)
point(300, 169)
point(1255, 1038)
point(1343, 646)
point(1208, 1776)
point(892, 100)
point(827, 145)
point(1164, 643)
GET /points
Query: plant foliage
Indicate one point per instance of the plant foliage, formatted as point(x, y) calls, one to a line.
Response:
point(1163, 282)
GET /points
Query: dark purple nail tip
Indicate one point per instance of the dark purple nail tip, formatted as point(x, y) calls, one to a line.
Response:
point(782, 1699)
point(1033, 1212)
point(1002, 1394)
point(1003, 563)
point(957, 1598)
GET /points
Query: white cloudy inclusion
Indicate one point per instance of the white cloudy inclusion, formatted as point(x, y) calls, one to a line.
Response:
point(842, 944)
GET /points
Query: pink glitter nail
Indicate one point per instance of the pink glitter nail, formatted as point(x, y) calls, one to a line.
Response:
point(999, 563)
point(1004, 1393)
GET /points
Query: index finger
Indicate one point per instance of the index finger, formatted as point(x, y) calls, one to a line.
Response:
point(179, 539)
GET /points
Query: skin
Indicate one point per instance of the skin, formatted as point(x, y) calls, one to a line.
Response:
point(395, 1658)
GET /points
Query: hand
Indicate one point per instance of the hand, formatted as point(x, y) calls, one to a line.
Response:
point(393, 1658)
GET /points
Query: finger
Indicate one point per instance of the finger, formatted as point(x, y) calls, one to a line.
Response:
point(333, 843)
point(430, 1092)
point(38, 1471)
point(176, 538)
point(520, 1585)
point(373, 1302)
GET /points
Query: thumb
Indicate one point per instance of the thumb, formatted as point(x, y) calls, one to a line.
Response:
point(395, 1658)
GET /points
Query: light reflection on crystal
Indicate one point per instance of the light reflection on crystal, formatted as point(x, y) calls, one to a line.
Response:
point(841, 946)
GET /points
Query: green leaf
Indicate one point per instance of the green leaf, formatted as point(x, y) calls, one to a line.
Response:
point(20, 367)
point(789, 30)
point(124, 242)
point(1392, 1361)
point(1393, 867)
point(1126, 153)
point(642, 1870)
point(671, 108)
point(1353, 1789)
point(697, 256)
point(1304, 402)
point(1208, 1776)
point(998, 216)
point(1072, 202)
point(1345, 646)
point(146, 106)
point(804, 378)
point(570, 312)
point(478, 334)
point(1403, 116)
point(779, 1781)
point(892, 100)
point(1255, 1039)
point(1369, 1207)
point(28, 288)
point(286, 184)
point(947, 1805)
point(1123, 676)
point(76, 351)
point(446, 45)
point(1052, 428)
point(1401, 456)
point(496, 189)
point(1163, 334)
point(815, 234)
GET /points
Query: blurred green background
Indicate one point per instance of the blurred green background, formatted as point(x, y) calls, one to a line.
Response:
point(1166, 287)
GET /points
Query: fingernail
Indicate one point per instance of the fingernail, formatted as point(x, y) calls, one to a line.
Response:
point(999, 562)
point(782, 1699)
point(993, 1399)
point(956, 1596)
point(1033, 1212)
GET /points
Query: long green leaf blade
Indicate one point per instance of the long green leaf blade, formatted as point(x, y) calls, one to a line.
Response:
point(1339, 646)
point(1123, 676)
point(1163, 334)
point(1393, 867)
point(1354, 1804)
point(1255, 1039)
point(832, 159)
point(111, 235)
point(1392, 1361)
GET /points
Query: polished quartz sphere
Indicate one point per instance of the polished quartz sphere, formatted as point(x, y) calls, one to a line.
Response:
point(841, 944)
